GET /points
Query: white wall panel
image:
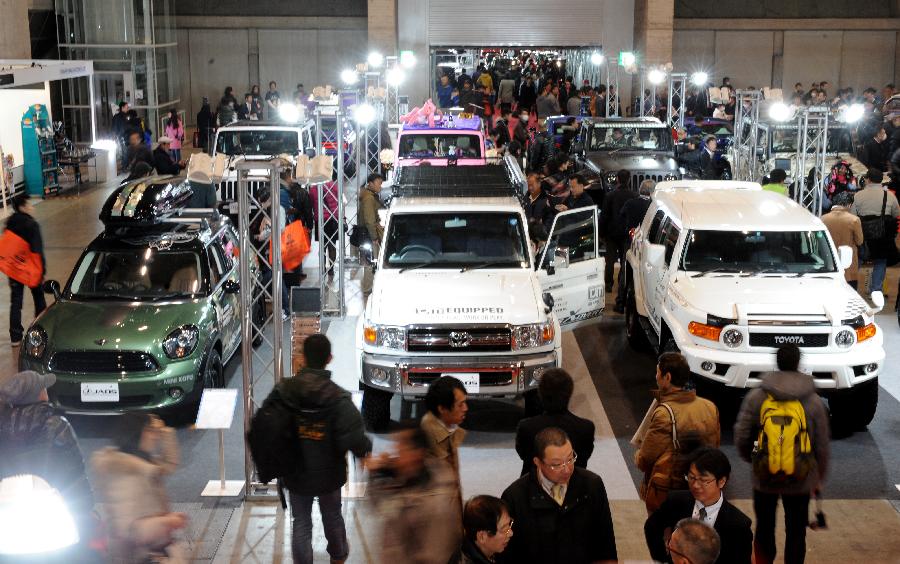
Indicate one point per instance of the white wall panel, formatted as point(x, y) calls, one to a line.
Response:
point(867, 59)
point(338, 50)
point(517, 22)
point(694, 50)
point(813, 56)
point(288, 57)
point(218, 58)
point(745, 57)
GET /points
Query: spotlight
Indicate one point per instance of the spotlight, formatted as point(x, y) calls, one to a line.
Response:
point(395, 76)
point(407, 59)
point(627, 58)
point(699, 78)
point(656, 76)
point(289, 112)
point(854, 113)
point(780, 112)
point(596, 58)
point(364, 114)
point(375, 59)
point(349, 77)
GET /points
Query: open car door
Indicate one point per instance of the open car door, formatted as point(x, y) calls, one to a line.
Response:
point(571, 268)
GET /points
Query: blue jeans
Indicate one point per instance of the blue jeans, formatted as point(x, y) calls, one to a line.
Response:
point(879, 269)
point(332, 521)
point(175, 154)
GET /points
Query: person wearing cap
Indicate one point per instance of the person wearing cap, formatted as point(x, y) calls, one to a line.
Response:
point(162, 158)
point(776, 182)
point(871, 202)
point(846, 230)
point(35, 439)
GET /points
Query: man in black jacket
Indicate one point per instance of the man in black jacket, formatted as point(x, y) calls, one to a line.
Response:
point(23, 224)
point(328, 425)
point(138, 151)
point(577, 196)
point(537, 204)
point(705, 501)
point(708, 169)
point(613, 230)
point(35, 439)
point(561, 512)
point(162, 159)
point(635, 209)
point(555, 390)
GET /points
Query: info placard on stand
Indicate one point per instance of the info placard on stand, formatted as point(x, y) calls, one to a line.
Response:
point(217, 412)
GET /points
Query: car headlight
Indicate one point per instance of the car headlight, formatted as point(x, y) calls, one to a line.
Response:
point(181, 342)
point(844, 338)
point(610, 177)
point(386, 336)
point(532, 335)
point(35, 342)
point(732, 338)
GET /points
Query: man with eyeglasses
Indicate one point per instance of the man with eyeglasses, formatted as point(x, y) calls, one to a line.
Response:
point(693, 542)
point(705, 501)
point(561, 511)
point(488, 529)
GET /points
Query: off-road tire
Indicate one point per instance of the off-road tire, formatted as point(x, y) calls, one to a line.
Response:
point(853, 409)
point(533, 404)
point(376, 408)
point(212, 375)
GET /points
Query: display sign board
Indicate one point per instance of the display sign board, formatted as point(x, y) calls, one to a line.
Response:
point(216, 409)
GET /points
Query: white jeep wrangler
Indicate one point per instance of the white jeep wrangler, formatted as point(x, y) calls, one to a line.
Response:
point(725, 273)
point(457, 291)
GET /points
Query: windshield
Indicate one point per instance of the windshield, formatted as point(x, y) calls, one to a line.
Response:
point(137, 274)
point(716, 129)
point(260, 142)
point(752, 251)
point(785, 141)
point(439, 145)
point(456, 240)
point(606, 138)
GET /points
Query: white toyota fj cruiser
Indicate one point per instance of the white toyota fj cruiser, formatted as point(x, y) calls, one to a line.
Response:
point(725, 273)
point(456, 290)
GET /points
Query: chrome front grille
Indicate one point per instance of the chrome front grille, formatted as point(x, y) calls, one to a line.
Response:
point(459, 339)
point(638, 177)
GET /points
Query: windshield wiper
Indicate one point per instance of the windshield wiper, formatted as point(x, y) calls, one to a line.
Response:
point(420, 265)
point(487, 264)
point(703, 273)
point(766, 271)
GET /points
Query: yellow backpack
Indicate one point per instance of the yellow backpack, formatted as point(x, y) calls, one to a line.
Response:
point(782, 454)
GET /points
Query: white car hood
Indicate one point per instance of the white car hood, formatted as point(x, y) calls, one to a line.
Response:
point(450, 296)
point(737, 297)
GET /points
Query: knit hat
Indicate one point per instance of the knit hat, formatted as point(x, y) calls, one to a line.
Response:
point(24, 387)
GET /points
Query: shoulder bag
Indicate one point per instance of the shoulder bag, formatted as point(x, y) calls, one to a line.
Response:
point(875, 227)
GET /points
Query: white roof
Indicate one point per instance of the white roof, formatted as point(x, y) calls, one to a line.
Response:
point(449, 204)
point(713, 207)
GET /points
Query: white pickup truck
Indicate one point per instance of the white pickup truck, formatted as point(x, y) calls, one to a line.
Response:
point(725, 273)
point(457, 290)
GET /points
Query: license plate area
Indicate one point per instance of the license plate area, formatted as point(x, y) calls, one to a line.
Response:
point(99, 392)
point(476, 380)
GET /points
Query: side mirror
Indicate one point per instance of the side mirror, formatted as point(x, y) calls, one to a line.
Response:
point(548, 301)
point(561, 257)
point(877, 301)
point(51, 287)
point(656, 254)
point(310, 152)
point(846, 256)
point(365, 254)
point(231, 287)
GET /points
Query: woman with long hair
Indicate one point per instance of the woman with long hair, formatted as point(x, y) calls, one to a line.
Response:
point(175, 132)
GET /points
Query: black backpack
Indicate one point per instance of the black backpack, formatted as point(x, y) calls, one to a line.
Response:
point(272, 440)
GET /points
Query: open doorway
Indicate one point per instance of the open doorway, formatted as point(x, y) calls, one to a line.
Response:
point(110, 88)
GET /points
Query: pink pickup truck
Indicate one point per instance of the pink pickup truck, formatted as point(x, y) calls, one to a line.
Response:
point(458, 138)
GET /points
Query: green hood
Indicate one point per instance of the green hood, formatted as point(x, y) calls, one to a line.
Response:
point(77, 325)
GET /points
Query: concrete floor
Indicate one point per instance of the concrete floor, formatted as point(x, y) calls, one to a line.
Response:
point(861, 493)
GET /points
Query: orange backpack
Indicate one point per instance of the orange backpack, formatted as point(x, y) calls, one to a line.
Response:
point(18, 261)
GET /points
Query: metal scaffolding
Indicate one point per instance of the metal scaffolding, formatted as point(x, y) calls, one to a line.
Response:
point(613, 102)
point(646, 100)
point(812, 145)
point(392, 91)
point(677, 87)
point(746, 136)
point(261, 281)
point(372, 132)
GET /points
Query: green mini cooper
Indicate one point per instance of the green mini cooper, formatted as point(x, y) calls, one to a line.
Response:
point(148, 317)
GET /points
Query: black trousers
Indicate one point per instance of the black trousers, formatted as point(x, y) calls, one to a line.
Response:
point(796, 519)
point(615, 251)
point(17, 293)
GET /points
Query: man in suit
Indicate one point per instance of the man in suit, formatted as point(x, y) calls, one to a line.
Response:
point(555, 390)
point(708, 170)
point(709, 471)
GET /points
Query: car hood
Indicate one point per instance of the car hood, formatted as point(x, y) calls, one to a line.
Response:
point(450, 296)
point(766, 296)
point(81, 325)
point(633, 161)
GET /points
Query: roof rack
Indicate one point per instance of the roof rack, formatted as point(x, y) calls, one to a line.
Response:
point(504, 179)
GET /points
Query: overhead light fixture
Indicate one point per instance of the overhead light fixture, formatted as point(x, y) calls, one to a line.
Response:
point(627, 58)
point(656, 76)
point(364, 114)
point(289, 113)
point(395, 76)
point(700, 78)
point(375, 59)
point(854, 112)
point(780, 111)
point(407, 59)
point(349, 77)
point(596, 58)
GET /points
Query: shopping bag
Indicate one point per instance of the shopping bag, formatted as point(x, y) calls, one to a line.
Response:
point(294, 246)
point(18, 262)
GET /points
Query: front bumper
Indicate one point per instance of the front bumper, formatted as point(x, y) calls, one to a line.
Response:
point(146, 391)
point(500, 376)
point(830, 370)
